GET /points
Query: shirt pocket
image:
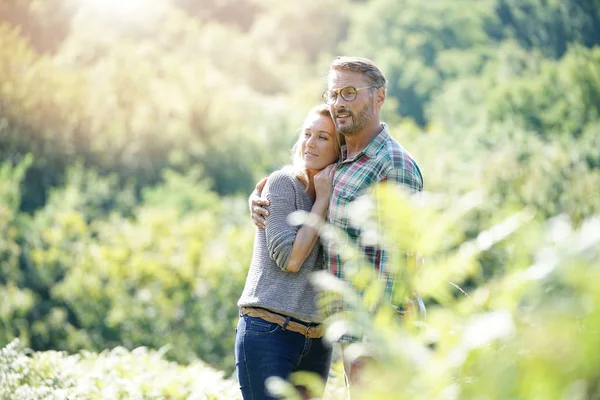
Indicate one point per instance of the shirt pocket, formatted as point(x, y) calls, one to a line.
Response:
point(351, 193)
point(347, 196)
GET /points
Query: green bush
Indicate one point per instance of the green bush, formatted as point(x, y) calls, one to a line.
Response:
point(18, 299)
point(92, 270)
point(114, 374)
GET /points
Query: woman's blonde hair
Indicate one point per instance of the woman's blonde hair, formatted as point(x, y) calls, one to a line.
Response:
point(298, 166)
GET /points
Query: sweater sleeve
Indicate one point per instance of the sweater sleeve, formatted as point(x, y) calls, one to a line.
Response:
point(280, 235)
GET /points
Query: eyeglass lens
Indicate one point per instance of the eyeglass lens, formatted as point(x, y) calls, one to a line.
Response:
point(348, 93)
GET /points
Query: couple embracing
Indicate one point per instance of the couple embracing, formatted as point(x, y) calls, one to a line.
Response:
point(343, 148)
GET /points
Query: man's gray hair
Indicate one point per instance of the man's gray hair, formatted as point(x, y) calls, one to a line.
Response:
point(361, 65)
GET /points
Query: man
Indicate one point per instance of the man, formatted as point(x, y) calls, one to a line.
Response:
point(356, 92)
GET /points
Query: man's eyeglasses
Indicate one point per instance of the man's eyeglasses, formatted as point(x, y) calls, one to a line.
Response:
point(348, 93)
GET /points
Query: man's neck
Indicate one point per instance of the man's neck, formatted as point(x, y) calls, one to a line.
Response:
point(357, 142)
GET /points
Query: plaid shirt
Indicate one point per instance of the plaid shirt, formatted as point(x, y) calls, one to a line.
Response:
point(383, 160)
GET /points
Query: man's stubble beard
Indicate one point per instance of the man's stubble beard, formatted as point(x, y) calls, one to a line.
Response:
point(362, 120)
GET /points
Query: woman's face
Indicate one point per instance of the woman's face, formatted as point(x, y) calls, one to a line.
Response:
point(318, 141)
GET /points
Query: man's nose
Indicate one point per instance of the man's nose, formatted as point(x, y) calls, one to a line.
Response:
point(339, 100)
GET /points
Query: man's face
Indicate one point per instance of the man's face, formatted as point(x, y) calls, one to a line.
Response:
point(351, 117)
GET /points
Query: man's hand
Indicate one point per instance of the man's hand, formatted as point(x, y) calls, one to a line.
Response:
point(257, 205)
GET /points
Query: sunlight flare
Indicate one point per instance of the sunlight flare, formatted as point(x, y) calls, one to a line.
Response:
point(119, 10)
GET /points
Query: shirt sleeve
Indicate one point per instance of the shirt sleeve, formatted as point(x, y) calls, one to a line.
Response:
point(280, 235)
point(408, 177)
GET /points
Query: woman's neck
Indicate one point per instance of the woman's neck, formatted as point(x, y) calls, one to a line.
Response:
point(311, 183)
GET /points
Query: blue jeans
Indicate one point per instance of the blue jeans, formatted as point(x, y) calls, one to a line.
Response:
point(264, 349)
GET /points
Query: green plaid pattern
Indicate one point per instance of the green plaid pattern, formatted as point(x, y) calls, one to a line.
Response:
point(383, 160)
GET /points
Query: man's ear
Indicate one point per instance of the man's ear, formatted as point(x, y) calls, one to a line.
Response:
point(380, 96)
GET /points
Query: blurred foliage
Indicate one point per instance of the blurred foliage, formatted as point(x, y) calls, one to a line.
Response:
point(114, 374)
point(130, 138)
point(550, 25)
point(98, 270)
point(528, 333)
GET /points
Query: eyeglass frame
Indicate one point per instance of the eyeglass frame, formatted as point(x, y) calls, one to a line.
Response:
point(339, 93)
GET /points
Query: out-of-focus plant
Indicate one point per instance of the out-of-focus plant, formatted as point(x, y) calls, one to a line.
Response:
point(17, 298)
point(95, 269)
point(531, 332)
point(114, 374)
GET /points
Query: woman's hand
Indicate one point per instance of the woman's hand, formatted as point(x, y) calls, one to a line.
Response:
point(323, 182)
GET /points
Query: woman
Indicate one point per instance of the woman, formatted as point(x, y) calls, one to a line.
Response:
point(279, 329)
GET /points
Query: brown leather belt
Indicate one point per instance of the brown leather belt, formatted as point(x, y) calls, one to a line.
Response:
point(310, 331)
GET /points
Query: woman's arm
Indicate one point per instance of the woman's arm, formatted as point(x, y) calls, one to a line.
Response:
point(280, 191)
point(307, 235)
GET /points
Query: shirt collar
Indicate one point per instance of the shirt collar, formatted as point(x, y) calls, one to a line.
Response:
point(372, 148)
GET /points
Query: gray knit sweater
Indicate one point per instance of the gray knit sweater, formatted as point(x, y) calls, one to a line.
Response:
point(267, 284)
